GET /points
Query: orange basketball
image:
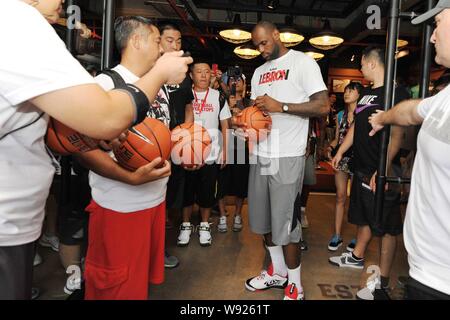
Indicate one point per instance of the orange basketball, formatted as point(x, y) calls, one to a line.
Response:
point(258, 123)
point(145, 142)
point(63, 140)
point(191, 145)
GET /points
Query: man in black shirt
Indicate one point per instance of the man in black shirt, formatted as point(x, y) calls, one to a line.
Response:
point(366, 151)
point(180, 109)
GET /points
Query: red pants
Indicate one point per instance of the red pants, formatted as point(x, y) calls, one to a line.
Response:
point(125, 253)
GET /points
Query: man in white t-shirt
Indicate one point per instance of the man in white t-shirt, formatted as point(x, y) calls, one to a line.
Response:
point(127, 212)
point(38, 76)
point(210, 110)
point(427, 223)
point(290, 87)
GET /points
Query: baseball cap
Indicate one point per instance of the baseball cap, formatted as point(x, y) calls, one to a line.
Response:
point(442, 5)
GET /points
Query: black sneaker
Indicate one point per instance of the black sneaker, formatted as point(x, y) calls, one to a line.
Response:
point(346, 260)
point(351, 246)
point(335, 243)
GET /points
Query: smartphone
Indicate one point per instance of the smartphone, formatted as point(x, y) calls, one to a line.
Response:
point(215, 67)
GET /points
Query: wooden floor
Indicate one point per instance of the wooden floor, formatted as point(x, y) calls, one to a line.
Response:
point(219, 272)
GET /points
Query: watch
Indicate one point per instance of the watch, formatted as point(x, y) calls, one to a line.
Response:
point(285, 108)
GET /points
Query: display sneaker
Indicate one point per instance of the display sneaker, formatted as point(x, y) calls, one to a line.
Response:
point(49, 242)
point(346, 260)
point(351, 246)
point(373, 291)
point(222, 226)
point(266, 280)
point(204, 234)
point(170, 262)
point(73, 283)
point(291, 292)
point(237, 224)
point(304, 220)
point(335, 243)
point(186, 229)
point(37, 260)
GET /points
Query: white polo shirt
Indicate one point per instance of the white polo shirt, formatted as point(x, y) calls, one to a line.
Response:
point(33, 61)
point(427, 222)
point(119, 196)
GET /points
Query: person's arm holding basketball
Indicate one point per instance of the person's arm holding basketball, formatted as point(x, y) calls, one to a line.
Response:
point(102, 164)
point(189, 114)
point(317, 106)
point(346, 144)
point(104, 115)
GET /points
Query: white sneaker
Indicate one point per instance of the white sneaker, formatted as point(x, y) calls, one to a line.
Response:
point(237, 225)
point(185, 234)
point(37, 260)
point(204, 234)
point(266, 280)
point(72, 284)
point(222, 226)
point(49, 242)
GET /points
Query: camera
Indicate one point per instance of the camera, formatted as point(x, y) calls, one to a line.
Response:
point(234, 72)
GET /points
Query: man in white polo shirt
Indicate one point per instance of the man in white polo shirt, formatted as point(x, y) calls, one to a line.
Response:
point(39, 77)
point(427, 223)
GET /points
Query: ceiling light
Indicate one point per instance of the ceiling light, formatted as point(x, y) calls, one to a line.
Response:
point(246, 51)
point(326, 39)
point(289, 35)
point(402, 43)
point(314, 54)
point(235, 33)
point(272, 5)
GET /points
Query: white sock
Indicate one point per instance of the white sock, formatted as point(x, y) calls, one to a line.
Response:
point(277, 257)
point(186, 224)
point(294, 276)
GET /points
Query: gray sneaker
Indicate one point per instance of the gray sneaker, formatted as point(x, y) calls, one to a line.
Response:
point(170, 261)
point(346, 261)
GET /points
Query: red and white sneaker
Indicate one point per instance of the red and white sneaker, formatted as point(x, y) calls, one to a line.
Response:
point(291, 293)
point(266, 280)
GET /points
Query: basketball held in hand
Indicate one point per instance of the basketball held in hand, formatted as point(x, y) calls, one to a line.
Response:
point(191, 145)
point(65, 141)
point(257, 124)
point(145, 142)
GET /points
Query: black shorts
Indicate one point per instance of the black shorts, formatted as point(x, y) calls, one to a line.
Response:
point(200, 186)
point(233, 181)
point(362, 204)
point(175, 188)
point(71, 214)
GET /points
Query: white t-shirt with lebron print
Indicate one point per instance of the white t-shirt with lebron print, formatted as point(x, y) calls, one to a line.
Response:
point(206, 106)
point(292, 78)
point(122, 197)
point(427, 221)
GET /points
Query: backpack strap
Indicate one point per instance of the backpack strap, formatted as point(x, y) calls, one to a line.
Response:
point(115, 77)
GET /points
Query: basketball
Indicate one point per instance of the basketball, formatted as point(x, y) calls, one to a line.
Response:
point(145, 142)
point(258, 123)
point(64, 141)
point(191, 145)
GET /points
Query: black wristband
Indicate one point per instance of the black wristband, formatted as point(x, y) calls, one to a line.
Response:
point(140, 102)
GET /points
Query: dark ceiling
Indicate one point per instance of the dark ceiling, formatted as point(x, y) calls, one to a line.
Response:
point(201, 20)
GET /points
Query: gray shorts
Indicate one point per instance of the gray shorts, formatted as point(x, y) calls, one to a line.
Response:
point(273, 186)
